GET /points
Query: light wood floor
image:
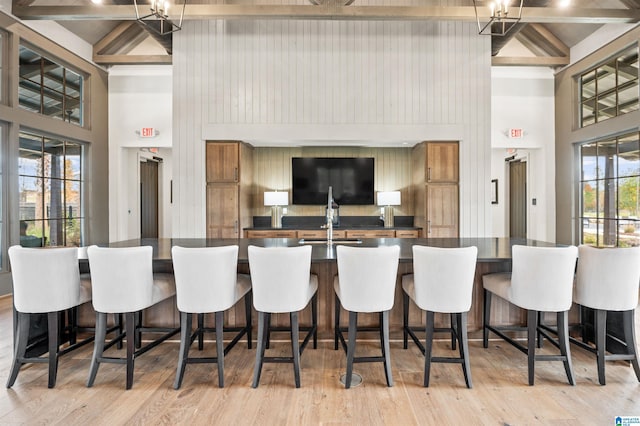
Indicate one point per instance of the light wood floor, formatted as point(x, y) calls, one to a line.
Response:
point(500, 394)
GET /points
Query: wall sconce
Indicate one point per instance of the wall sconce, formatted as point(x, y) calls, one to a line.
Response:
point(276, 200)
point(388, 199)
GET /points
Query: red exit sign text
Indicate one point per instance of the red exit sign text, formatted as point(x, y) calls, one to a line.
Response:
point(515, 133)
point(147, 132)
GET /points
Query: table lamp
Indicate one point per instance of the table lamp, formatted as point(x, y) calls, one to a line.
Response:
point(388, 199)
point(276, 200)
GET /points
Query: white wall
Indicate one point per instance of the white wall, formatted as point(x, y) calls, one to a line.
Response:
point(523, 97)
point(330, 82)
point(139, 96)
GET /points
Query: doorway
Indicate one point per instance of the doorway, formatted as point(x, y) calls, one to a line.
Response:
point(148, 199)
point(518, 199)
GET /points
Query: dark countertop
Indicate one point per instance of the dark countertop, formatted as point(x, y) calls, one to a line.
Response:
point(489, 249)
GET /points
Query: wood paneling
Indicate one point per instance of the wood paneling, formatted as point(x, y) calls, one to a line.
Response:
point(327, 83)
point(392, 169)
point(223, 162)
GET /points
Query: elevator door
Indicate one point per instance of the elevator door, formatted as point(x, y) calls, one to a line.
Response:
point(149, 199)
point(518, 199)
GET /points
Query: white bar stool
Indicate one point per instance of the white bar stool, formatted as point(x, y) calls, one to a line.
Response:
point(541, 281)
point(442, 281)
point(366, 282)
point(207, 281)
point(123, 281)
point(44, 281)
point(282, 283)
point(608, 279)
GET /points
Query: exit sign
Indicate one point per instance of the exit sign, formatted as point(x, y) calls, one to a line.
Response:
point(515, 133)
point(147, 132)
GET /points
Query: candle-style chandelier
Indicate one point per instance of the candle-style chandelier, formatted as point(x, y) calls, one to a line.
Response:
point(158, 18)
point(501, 17)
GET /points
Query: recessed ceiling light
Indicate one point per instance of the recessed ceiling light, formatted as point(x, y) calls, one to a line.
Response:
point(565, 3)
point(96, 1)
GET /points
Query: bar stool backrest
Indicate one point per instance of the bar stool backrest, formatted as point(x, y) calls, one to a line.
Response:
point(280, 278)
point(367, 277)
point(608, 278)
point(44, 279)
point(121, 278)
point(542, 277)
point(443, 278)
point(205, 278)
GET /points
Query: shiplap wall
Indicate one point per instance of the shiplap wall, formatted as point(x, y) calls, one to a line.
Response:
point(327, 82)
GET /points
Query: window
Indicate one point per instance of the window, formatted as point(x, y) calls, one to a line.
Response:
point(610, 89)
point(48, 88)
point(610, 188)
point(50, 188)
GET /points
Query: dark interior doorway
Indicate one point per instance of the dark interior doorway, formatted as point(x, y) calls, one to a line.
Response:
point(149, 199)
point(518, 199)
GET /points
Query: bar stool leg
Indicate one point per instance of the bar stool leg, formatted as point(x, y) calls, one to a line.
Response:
point(22, 336)
point(52, 319)
point(220, 346)
point(247, 312)
point(463, 341)
point(387, 351)
point(336, 327)
point(201, 331)
point(452, 320)
point(185, 340)
point(262, 343)
point(132, 329)
point(486, 318)
point(295, 346)
point(405, 319)
point(351, 347)
point(314, 319)
point(628, 320)
point(532, 326)
point(98, 346)
point(563, 340)
point(600, 326)
point(428, 345)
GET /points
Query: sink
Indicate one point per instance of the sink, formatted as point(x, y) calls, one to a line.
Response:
point(334, 241)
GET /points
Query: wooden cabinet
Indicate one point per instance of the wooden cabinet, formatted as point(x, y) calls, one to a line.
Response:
point(435, 186)
point(371, 233)
point(408, 233)
point(442, 162)
point(271, 233)
point(229, 188)
point(223, 162)
point(321, 233)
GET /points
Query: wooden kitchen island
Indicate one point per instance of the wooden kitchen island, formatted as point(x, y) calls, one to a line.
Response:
point(494, 255)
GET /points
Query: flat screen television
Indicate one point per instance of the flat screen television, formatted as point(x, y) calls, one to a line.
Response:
point(351, 180)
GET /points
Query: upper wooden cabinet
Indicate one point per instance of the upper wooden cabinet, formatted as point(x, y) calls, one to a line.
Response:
point(223, 162)
point(442, 162)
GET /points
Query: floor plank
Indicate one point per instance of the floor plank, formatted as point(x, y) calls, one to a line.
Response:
point(500, 394)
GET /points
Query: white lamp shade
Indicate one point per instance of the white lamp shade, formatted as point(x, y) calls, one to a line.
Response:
point(275, 198)
point(389, 198)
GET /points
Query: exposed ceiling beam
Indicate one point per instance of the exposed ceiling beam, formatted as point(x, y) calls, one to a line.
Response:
point(132, 59)
point(113, 40)
point(552, 39)
point(330, 12)
point(530, 61)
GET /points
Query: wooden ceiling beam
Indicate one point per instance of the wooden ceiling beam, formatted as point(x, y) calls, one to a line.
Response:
point(331, 12)
point(530, 61)
point(132, 59)
point(551, 38)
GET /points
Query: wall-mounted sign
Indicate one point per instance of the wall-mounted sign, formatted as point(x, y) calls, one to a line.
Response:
point(147, 132)
point(515, 133)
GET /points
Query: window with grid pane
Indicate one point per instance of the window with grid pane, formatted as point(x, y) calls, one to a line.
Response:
point(51, 181)
point(610, 191)
point(48, 88)
point(610, 89)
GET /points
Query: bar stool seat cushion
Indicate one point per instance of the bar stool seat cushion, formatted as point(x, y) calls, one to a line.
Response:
point(164, 287)
point(498, 284)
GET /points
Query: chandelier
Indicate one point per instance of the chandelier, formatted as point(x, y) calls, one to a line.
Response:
point(158, 19)
point(501, 18)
